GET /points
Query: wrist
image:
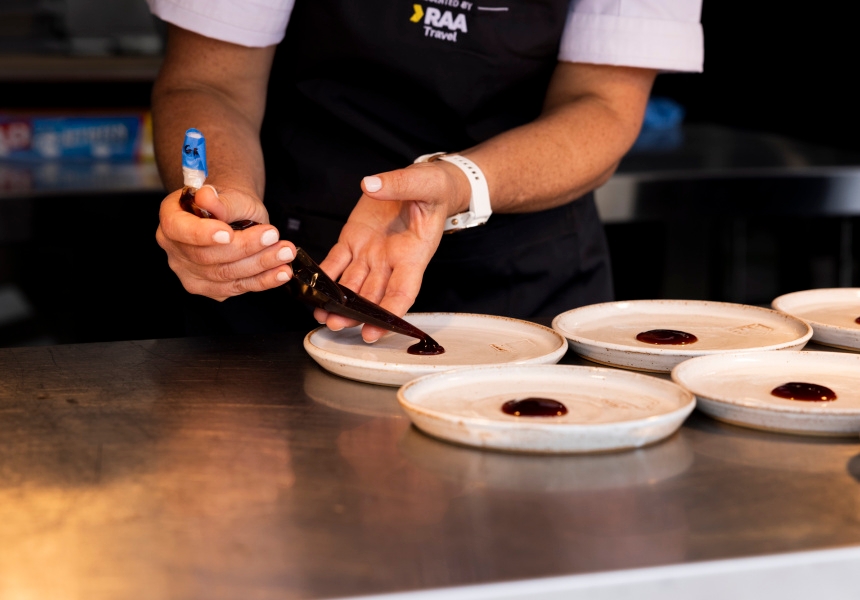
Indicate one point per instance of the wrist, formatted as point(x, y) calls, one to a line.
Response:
point(458, 200)
point(479, 209)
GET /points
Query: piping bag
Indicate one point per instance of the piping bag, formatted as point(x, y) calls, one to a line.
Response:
point(309, 282)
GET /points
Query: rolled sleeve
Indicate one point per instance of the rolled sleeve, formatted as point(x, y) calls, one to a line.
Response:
point(658, 34)
point(255, 23)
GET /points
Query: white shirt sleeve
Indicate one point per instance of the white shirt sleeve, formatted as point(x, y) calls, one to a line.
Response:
point(657, 34)
point(253, 23)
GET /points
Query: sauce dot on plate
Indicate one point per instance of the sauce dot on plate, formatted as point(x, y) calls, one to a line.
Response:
point(809, 392)
point(534, 407)
point(667, 337)
point(426, 346)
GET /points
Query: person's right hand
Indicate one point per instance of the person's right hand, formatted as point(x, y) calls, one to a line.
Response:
point(210, 258)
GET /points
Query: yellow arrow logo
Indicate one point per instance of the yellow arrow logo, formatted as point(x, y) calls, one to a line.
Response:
point(419, 13)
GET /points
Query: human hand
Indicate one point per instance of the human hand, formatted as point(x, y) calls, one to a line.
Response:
point(210, 258)
point(391, 235)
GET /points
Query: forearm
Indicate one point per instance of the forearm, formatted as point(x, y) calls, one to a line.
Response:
point(220, 89)
point(551, 161)
point(573, 147)
point(232, 143)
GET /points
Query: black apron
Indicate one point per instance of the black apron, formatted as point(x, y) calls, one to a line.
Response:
point(359, 88)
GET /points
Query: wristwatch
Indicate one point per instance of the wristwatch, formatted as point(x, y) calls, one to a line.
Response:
point(479, 204)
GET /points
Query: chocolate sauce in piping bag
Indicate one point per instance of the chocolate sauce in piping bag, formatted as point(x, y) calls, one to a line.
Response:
point(312, 285)
point(309, 282)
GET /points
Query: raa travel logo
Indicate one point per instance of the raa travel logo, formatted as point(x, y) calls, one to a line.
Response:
point(442, 24)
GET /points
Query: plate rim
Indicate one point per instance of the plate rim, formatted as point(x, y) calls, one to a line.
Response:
point(681, 351)
point(826, 326)
point(430, 369)
point(407, 406)
point(810, 410)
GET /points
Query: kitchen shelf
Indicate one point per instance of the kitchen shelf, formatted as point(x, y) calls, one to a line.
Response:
point(48, 68)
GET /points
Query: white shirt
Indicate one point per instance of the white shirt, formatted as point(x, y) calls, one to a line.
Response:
point(657, 34)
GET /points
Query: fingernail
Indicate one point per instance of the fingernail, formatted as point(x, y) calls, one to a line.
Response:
point(372, 341)
point(285, 254)
point(372, 184)
point(338, 329)
point(269, 238)
point(211, 187)
point(283, 276)
point(221, 237)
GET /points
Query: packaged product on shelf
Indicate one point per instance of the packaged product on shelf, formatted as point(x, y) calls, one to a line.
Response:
point(93, 136)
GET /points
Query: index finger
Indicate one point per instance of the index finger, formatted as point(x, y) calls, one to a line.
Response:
point(400, 294)
point(183, 227)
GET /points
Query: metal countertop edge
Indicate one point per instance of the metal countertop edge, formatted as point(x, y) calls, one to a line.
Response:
point(830, 574)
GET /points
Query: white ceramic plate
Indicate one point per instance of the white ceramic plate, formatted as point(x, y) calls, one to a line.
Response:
point(606, 333)
point(736, 388)
point(608, 409)
point(830, 311)
point(469, 340)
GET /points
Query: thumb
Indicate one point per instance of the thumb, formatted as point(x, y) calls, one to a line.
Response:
point(207, 198)
point(229, 206)
point(422, 182)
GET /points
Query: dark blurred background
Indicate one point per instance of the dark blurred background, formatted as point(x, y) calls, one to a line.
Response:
point(743, 185)
point(770, 68)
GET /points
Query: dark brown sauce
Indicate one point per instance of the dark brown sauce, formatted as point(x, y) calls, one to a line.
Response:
point(186, 201)
point(809, 392)
point(667, 337)
point(374, 314)
point(426, 347)
point(534, 407)
point(243, 224)
point(857, 320)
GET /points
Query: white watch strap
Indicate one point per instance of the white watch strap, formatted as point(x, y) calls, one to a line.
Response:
point(479, 204)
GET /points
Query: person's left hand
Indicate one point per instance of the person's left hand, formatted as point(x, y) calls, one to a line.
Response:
point(391, 235)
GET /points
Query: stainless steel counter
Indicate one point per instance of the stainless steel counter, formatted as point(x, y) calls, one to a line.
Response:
point(236, 468)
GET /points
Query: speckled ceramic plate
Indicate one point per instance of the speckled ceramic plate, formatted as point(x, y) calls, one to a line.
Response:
point(606, 333)
point(736, 388)
point(832, 312)
point(469, 340)
point(608, 409)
